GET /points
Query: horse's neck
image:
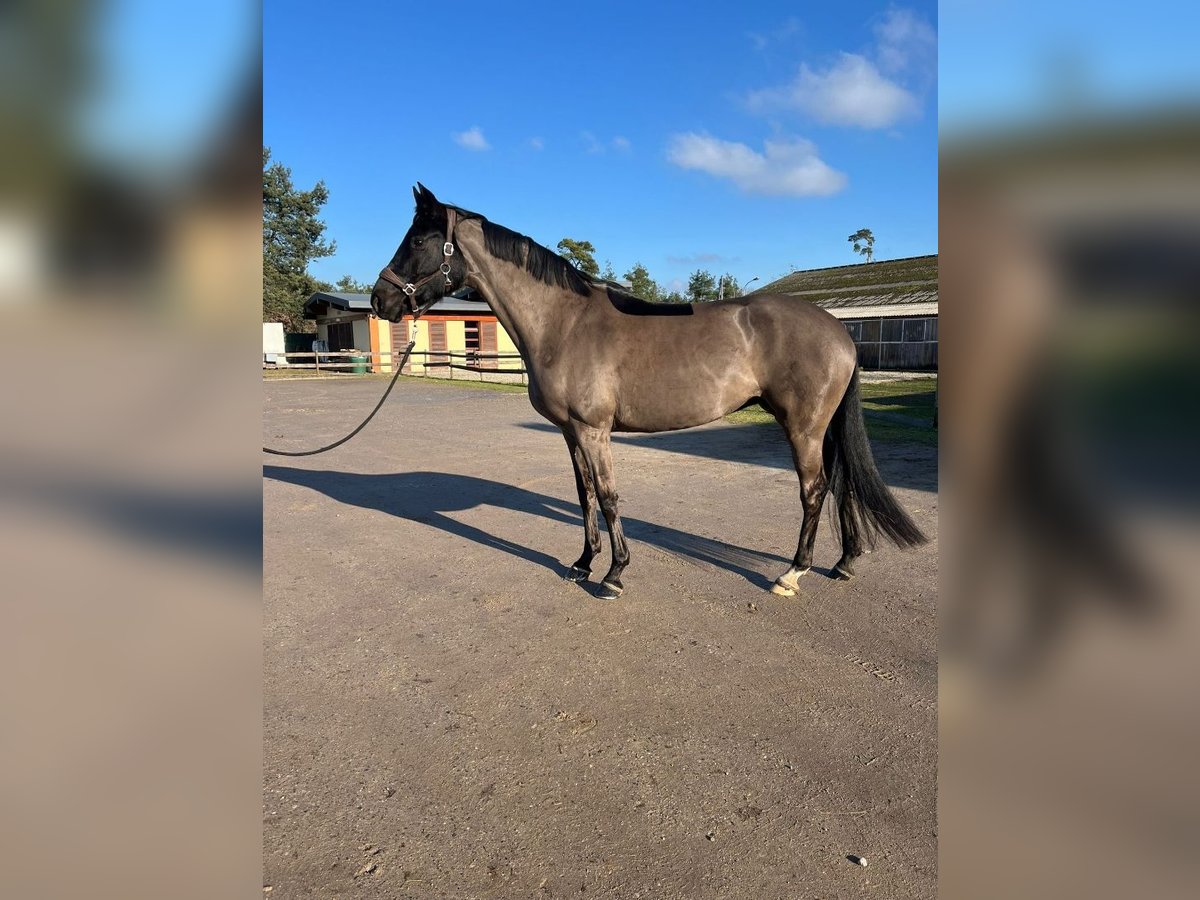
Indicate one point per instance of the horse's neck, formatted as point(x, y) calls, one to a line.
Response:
point(531, 311)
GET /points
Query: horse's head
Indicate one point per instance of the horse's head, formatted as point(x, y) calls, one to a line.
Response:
point(427, 265)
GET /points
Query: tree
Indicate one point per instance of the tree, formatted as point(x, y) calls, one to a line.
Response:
point(293, 236)
point(609, 273)
point(864, 243)
point(701, 287)
point(728, 287)
point(348, 285)
point(674, 297)
point(642, 285)
point(580, 254)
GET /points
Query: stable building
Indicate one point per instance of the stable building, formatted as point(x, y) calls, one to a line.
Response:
point(890, 308)
point(344, 321)
point(458, 334)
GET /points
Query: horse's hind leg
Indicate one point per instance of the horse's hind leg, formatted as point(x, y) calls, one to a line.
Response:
point(852, 542)
point(809, 461)
point(596, 450)
point(587, 502)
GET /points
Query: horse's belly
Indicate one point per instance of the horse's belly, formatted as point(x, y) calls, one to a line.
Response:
point(664, 406)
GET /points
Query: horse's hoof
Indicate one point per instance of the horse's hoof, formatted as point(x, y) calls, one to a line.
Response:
point(576, 575)
point(608, 591)
point(841, 574)
point(788, 583)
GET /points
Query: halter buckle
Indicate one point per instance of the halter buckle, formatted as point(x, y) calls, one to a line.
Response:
point(409, 289)
point(447, 249)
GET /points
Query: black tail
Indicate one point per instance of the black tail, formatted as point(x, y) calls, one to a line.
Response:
point(865, 505)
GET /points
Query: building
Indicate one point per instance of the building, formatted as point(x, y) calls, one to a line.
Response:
point(458, 334)
point(344, 321)
point(890, 307)
point(274, 344)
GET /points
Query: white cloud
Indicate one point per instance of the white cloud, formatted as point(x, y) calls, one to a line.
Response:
point(873, 89)
point(622, 144)
point(788, 167)
point(537, 143)
point(472, 139)
point(851, 92)
point(906, 42)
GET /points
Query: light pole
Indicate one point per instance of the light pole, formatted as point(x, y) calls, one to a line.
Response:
point(751, 281)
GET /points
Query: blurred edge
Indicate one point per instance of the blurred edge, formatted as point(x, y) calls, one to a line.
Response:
point(131, 639)
point(1069, 631)
point(130, 279)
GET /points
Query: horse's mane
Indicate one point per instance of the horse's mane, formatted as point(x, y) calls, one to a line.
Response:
point(547, 266)
point(544, 265)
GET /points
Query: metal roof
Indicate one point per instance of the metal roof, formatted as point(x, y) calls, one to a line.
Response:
point(891, 287)
point(348, 302)
point(460, 305)
point(361, 303)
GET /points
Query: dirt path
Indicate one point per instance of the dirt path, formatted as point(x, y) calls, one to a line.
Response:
point(448, 718)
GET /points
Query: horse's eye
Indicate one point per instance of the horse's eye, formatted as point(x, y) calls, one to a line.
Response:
point(417, 242)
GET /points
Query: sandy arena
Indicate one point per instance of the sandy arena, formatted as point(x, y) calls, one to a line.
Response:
point(445, 717)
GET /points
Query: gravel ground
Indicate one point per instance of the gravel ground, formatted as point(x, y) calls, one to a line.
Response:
point(445, 717)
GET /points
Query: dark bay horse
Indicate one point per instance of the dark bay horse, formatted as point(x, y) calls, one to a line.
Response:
point(600, 360)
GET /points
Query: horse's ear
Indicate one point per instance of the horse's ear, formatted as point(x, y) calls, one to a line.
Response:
point(417, 194)
point(425, 196)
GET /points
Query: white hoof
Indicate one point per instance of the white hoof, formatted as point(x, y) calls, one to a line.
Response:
point(788, 583)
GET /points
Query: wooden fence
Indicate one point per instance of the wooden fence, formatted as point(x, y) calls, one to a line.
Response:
point(429, 363)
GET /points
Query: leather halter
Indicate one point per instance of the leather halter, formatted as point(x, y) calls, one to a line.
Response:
point(410, 288)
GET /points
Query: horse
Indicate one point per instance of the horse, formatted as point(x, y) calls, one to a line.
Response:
point(601, 360)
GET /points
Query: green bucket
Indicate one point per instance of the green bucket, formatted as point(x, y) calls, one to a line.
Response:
point(359, 365)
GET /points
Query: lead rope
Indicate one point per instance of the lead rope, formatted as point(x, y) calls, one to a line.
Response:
point(391, 384)
point(410, 290)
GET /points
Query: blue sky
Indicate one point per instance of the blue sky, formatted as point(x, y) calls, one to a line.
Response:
point(748, 138)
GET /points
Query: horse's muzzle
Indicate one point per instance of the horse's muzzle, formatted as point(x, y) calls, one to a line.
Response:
point(384, 305)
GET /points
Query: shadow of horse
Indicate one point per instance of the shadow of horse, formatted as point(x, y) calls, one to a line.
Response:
point(426, 497)
point(761, 445)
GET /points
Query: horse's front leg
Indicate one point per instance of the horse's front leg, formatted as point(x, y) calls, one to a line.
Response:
point(587, 502)
point(597, 453)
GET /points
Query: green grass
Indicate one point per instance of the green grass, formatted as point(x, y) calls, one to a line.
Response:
point(913, 398)
point(895, 433)
point(753, 415)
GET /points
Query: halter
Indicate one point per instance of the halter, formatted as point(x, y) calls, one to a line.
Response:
point(409, 288)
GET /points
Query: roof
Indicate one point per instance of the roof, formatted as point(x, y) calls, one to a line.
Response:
point(345, 302)
point(891, 287)
point(361, 303)
point(460, 305)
